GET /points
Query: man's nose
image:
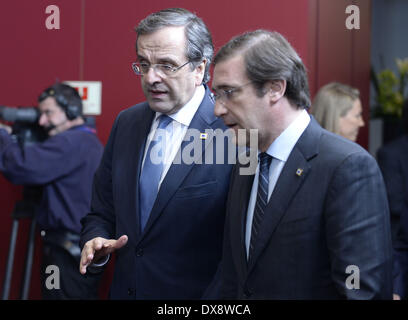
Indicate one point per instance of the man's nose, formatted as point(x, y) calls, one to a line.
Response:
point(152, 76)
point(42, 120)
point(219, 109)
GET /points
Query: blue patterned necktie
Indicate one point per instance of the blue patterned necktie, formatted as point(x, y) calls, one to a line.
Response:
point(261, 197)
point(152, 171)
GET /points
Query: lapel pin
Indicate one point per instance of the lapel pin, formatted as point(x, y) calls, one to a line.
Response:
point(299, 172)
point(203, 136)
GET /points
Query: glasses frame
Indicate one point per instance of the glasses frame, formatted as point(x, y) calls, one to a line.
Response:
point(225, 95)
point(163, 72)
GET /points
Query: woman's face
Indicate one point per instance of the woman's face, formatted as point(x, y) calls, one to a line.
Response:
point(350, 123)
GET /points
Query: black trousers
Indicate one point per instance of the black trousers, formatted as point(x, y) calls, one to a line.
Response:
point(61, 279)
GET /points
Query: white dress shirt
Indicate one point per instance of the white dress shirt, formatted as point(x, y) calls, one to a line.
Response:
point(280, 150)
point(181, 122)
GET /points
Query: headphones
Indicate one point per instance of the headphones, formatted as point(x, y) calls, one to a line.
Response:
point(72, 111)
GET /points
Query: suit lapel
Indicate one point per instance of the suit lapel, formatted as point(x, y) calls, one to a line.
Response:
point(245, 194)
point(290, 180)
point(284, 192)
point(240, 191)
point(177, 172)
point(139, 130)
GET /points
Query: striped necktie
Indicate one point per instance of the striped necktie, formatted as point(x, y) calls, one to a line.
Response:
point(261, 197)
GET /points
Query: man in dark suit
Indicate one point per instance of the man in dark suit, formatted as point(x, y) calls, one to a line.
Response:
point(312, 221)
point(163, 218)
point(393, 159)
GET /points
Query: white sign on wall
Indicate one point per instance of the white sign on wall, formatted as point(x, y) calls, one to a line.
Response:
point(91, 94)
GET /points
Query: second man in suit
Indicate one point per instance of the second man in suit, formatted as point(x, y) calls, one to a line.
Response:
point(164, 220)
point(312, 222)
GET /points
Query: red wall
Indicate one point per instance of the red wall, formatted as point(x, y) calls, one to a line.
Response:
point(339, 54)
point(96, 43)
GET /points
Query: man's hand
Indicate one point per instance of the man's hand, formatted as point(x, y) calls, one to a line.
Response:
point(97, 248)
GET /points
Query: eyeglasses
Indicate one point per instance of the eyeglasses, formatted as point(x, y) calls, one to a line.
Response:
point(143, 68)
point(224, 95)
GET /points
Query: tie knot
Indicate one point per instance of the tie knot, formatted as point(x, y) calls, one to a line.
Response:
point(264, 159)
point(164, 121)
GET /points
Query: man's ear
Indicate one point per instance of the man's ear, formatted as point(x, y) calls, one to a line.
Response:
point(200, 70)
point(276, 89)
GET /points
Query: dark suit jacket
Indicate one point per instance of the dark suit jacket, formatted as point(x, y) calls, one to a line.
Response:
point(332, 216)
point(393, 160)
point(179, 250)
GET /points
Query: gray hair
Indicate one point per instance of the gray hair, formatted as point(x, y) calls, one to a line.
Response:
point(268, 56)
point(331, 102)
point(199, 40)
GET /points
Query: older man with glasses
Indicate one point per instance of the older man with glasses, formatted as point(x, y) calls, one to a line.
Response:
point(163, 219)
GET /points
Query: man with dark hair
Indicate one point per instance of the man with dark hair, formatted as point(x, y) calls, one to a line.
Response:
point(164, 219)
point(312, 221)
point(393, 159)
point(64, 165)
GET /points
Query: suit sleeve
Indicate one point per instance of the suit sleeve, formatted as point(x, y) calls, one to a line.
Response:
point(100, 222)
point(401, 256)
point(401, 271)
point(358, 230)
point(39, 163)
point(394, 183)
point(227, 270)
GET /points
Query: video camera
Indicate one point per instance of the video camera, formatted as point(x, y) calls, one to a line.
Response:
point(25, 128)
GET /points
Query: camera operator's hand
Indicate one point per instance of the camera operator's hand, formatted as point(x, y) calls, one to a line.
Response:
point(6, 127)
point(97, 248)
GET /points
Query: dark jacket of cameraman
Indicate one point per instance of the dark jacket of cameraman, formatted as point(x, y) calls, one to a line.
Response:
point(64, 165)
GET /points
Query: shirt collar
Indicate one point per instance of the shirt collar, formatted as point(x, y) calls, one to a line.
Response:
point(187, 112)
point(283, 145)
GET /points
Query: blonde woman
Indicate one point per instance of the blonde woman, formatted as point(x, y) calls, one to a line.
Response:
point(337, 107)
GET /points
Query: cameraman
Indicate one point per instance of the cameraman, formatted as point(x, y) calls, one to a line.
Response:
point(64, 165)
